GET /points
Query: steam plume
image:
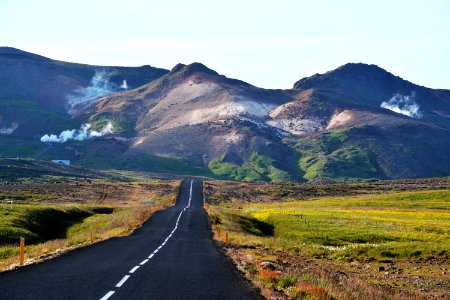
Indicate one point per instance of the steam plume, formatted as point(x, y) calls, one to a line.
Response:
point(124, 85)
point(405, 105)
point(10, 129)
point(100, 86)
point(85, 132)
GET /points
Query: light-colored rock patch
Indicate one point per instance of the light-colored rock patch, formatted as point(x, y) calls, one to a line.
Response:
point(340, 119)
point(230, 109)
point(297, 126)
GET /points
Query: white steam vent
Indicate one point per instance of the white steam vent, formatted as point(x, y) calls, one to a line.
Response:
point(85, 132)
point(124, 85)
point(405, 105)
point(99, 87)
point(10, 129)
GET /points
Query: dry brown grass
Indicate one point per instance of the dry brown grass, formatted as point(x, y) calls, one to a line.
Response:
point(129, 213)
point(105, 193)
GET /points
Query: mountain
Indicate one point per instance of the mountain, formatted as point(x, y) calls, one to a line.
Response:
point(368, 86)
point(213, 123)
point(377, 126)
point(356, 122)
point(40, 95)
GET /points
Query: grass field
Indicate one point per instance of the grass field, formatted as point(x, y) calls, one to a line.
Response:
point(401, 225)
point(55, 217)
point(406, 231)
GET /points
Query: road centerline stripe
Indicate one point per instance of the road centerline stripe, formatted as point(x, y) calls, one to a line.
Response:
point(121, 282)
point(108, 294)
point(125, 278)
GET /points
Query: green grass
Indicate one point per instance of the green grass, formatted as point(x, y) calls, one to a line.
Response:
point(64, 227)
point(351, 162)
point(329, 156)
point(312, 165)
point(121, 125)
point(17, 174)
point(257, 168)
point(148, 163)
point(38, 223)
point(49, 228)
point(26, 105)
point(413, 225)
point(253, 226)
point(12, 146)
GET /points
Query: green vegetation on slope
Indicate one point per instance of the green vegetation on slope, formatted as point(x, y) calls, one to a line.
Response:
point(257, 168)
point(96, 159)
point(26, 106)
point(121, 124)
point(327, 156)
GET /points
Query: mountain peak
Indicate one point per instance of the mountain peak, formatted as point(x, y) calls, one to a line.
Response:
point(357, 68)
point(195, 67)
point(357, 73)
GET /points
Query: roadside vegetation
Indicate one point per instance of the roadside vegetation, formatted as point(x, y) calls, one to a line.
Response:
point(392, 245)
point(54, 218)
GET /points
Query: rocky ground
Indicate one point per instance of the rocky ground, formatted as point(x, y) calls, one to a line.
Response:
point(326, 279)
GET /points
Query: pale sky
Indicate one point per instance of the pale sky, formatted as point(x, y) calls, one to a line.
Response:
point(267, 43)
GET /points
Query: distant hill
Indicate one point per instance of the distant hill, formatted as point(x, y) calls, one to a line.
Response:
point(14, 170)
point(357, 122)
point(27, 170)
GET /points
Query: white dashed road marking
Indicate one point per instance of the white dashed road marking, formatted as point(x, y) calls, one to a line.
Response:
point(108, 294)
point(144, 262)
point(125, 278)
point(122, 281)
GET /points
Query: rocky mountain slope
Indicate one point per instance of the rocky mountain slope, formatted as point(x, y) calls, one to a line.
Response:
point(50, 91)
point(355, 122)
point(39, 95)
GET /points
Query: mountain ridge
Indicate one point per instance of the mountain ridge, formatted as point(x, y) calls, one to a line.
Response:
point(356, 122)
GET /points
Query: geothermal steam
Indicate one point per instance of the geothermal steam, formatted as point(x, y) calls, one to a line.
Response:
point(9, 130)
point(100, 86)
point(85, 132)
point(124, 85)
point(405, 105)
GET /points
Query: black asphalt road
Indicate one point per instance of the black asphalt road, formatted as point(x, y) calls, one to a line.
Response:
point(188, 266)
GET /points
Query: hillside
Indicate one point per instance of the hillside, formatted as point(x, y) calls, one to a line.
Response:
point(16, 171)
point(23, 170)
point(328, 127)
point(39, 95)
point(379, 126)
point(204, 118)
point(357, 122)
